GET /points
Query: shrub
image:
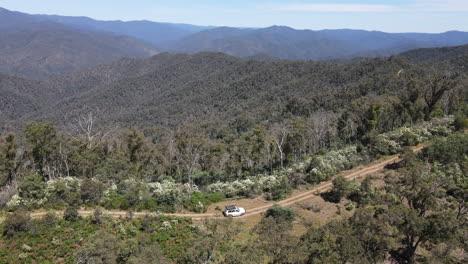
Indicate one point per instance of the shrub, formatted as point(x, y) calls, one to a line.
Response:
point(71, 214)
point(63, 191)
point(206, 178)
point(409, 139)
point(460, 122)
point(341, 188)
point(279, 190)
point(349, 206)
point(150, 204)
point(437, 113)
point(381, 144)
point(279, 213)
point(116, 201)
point(198, 202)
point(454, 149)
point(91, 191)
point(32, 189)
point(309, 206)
point(168, 201)
point(50, 219)
point(16, 223)
point(97, 216)
point(322, 168)
point(102, 247)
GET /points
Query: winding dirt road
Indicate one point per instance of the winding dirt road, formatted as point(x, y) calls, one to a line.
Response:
point(320, 188)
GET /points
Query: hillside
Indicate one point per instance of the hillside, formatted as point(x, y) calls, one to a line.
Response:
point(152, 32)
point(174, 89)
point(436, 54)
point(19, 97)
point(43, 49)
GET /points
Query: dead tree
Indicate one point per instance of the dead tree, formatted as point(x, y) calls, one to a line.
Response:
point(280, 134)
point(84, 129)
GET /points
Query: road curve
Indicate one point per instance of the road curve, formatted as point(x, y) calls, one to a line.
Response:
point(320, 188)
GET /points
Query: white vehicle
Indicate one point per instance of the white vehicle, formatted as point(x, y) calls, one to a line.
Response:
point(232, 210)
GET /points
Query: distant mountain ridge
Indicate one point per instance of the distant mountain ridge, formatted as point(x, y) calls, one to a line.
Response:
point(41, 49)
point(43, 46)
point(152, 32)
point(287, 43)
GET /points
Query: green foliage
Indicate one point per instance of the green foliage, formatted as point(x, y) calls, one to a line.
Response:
point(8, 159)
point(323, 167)
point(109, 241)
point(32, 188)
point(454, 149)
point(342, 188)
point(50, 219)
point(42, 143)
point(437, 113)
point(199, 202)
point(282, 214)
point(349, 206)
point(278, 190)
point(91, 191)
point(461, 122)
point(71, 214)
point(102, 248)
point(115, 200)
point(372, 117)
point(17, 223)
point(409, 139)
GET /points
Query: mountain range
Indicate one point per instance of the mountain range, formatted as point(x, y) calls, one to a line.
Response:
point(288, 43)
point(43, 46)
point(176, 89)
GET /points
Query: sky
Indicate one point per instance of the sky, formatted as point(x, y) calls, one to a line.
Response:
point(431, 16)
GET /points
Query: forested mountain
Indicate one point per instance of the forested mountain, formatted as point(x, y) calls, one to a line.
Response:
point(43, 49)
point(264, 43)
point(288, 43)
point(19, 97)
point(152, 32)
point(213, 86)
point(171, 90)
point(437, 54)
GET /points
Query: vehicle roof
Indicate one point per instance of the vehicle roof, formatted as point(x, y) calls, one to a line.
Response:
point(231, 207)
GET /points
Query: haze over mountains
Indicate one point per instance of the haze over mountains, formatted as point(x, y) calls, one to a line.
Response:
point(42, 46)
point(41, 49)
point(287, 43)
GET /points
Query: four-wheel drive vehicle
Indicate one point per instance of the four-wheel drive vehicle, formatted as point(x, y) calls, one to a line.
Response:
point(232, 210)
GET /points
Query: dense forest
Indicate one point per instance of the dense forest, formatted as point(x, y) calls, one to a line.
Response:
point(175, 133)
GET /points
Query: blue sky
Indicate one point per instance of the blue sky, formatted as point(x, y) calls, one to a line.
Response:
point(385, 15)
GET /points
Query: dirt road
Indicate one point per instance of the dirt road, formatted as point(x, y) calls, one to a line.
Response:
point(320, 188)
